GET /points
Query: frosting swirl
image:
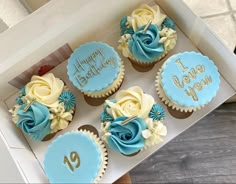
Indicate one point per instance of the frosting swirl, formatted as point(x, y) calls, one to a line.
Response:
point(126, 139)
point(125, 28)
point(168, 23)
point(123, 45)
point(168, 38)
point(46, 89)
point(60, 118)
point(145, 46)
point(144, 14)
point(154, 132)
point(35, 121)
point(131, 102)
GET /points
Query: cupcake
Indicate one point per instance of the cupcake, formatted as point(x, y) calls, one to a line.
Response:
point(187, 81)
point(43, 107)
point(147, 35)
point(96, 70)
point(132, 121)
point(76, 157)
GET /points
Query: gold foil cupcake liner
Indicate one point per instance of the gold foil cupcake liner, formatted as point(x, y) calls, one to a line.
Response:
point(112, 88)
point(167, 101)
point(103, 150)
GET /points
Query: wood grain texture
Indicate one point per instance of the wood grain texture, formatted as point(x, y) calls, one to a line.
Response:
point(205, 153)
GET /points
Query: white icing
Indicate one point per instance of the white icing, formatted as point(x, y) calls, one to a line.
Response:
point(13, 112)
point(144, 14)
point(131, 102)
point(168, 38)
point(59, 118)
point(153, 135)
point(45, 89)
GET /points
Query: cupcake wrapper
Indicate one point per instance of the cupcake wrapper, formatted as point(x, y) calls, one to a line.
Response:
point(104, 153)
point(167, 101)
point(146, 64)
point(112, 88)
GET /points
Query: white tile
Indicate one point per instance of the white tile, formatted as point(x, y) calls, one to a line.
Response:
point(233, 4)
point(224, 27)
point(207, 7)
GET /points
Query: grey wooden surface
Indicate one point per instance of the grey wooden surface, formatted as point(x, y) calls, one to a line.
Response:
point(205, 153)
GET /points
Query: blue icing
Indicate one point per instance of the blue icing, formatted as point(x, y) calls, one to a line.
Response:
point(22, 91)
point(126, 139)
point(68, 99)
point(89, 155)
point(157, 112)
point(35, 121)
point(168, 23)
point(97, 66)
point(145, 47)
point(19, 100)
point(111, 100)
point(104, 116)
point(124, 28)
point(190, 60)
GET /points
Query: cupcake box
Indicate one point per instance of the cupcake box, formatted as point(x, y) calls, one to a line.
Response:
point(66, 23)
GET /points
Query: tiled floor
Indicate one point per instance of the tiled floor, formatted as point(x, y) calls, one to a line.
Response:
point(220, 16)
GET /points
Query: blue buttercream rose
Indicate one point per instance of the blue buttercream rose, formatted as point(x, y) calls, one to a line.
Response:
point(126, 139)
point(35, 121)
point(145, 46)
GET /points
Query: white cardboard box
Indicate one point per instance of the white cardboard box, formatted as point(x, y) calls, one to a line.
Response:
point(75, 22)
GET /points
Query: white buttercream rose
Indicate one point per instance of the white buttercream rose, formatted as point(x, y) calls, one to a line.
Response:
point(144, 14)
point(45, 89)
point(131, 102)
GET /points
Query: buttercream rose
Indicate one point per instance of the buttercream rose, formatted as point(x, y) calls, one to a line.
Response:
point(35, 121)
point(144, 14)
point(145, 46)
point(46, 89)
point(126, 139)
point(131, 102)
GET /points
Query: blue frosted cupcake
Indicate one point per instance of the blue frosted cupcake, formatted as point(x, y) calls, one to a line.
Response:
point(95, 69)
point(76, 157)
point(147, 35)
point(132, 121)
point(187, 81)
